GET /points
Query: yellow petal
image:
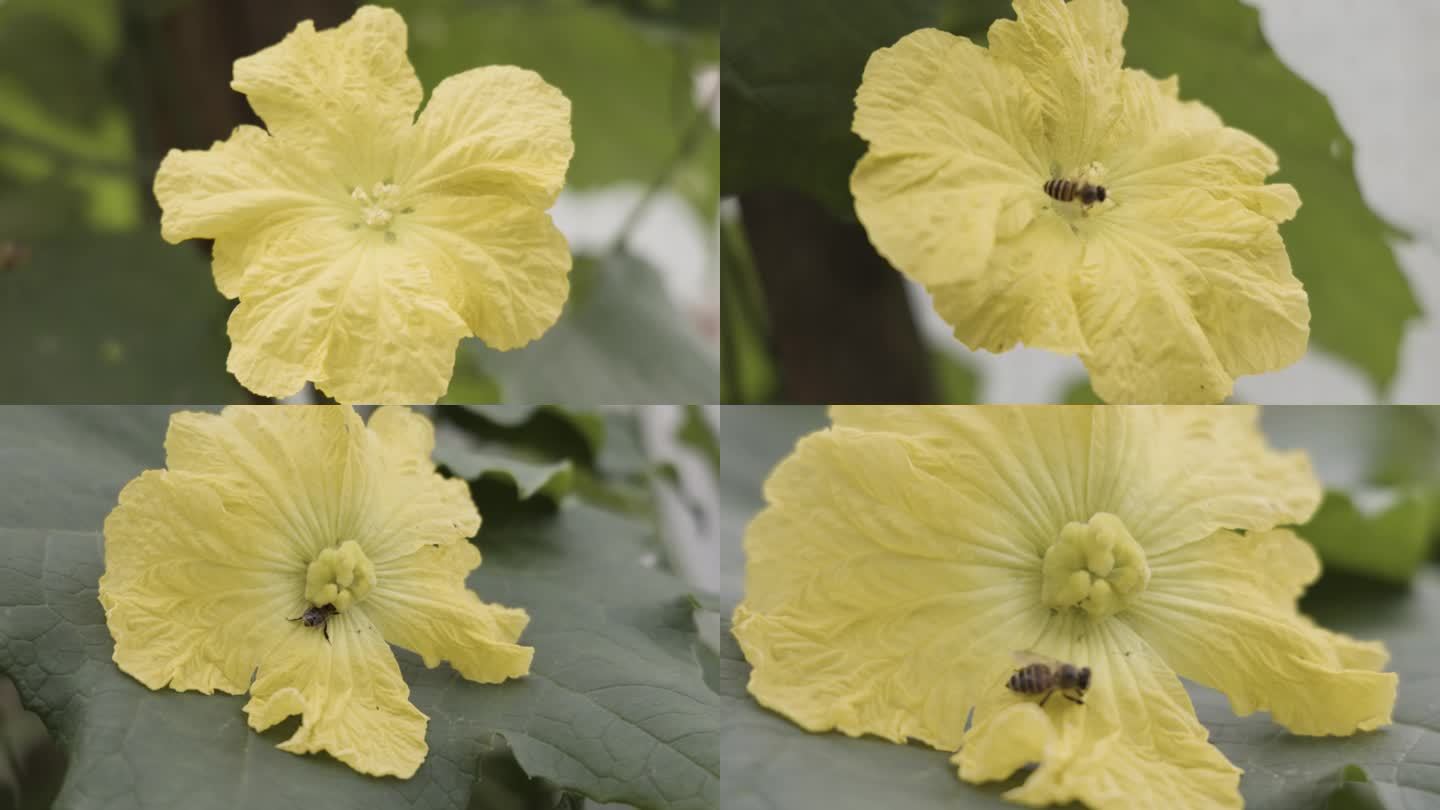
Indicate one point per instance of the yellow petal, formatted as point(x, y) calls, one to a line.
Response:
point(362, 319)
point(407, 439)
point(862, 584)
point(343, 95)
point(1031, 467)
point(952, 159)
point(1070, 55)
point(1134, 743)
point(1210, 469)
point(502, 264)
point(415, 507)
point(236, 191)
point(1024, 295)
point(1166, 146)
point(348, 691)
point(193, 593)
point(301, 470)
point(424, 606)
point(1222, 611)
point(496, 130)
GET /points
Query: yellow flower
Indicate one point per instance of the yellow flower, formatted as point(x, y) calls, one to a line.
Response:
point(362, 242)
point(907, 553)
point(297, 541)
point(1167, 290)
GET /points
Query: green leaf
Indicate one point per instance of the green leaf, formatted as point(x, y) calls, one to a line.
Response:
point(1360, 301)
point(470, 459)
point(32, 767)
point(771, 763)
point(788, 75)
point(630, 88)
point(1390, 544)
point(956, 382)
point(748, 372)
point(695, 431)
point(113, 319)
point(1382, 477)
point(620, 340)
point(616, 707)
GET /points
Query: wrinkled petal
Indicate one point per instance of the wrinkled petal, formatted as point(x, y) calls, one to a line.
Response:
point(1216, 471)
point(1028, 465)
point(951, 159)
point(425, 607)
point(1069, 54)
point(1134, 743)
point(503, 265)
point(237, 191)
point(300, 471)
point(364, 321)
point(1222, 612)
point(190, 597)
point(417, 508)
point(1165, 146)
point(1185, 294)
point(348, 691)
point(1023, 296)
point(491, 131)
point(862, 584)
point(344, 95)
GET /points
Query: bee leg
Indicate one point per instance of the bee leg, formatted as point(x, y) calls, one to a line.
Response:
point(1074, 699)
point(326, 628)
point(1047, 697)
point(296, 619)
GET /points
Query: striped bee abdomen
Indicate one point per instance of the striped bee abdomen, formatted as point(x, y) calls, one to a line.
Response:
point(1030, 679)
point(1062, 190)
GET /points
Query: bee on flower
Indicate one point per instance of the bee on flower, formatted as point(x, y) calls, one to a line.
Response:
point(906, 553)
point(293, 545)
point(1046, 195)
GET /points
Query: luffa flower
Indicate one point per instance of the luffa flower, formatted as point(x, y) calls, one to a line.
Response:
point(269, 518)
point(907, 553)
point(363, 242)
point(1167, 290)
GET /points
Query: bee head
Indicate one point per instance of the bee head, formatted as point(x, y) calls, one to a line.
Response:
point(1083, 679)
point(1099, 194)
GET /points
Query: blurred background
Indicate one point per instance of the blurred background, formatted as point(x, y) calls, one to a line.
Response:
point(95, 307)
point(1343, 90)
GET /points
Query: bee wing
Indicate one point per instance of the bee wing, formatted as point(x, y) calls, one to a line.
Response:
point(1024, 657)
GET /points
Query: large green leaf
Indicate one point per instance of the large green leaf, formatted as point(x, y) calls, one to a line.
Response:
point(772, 763)
point(1360, 301)
point(113, 319)
point(616, 707)
point(620, 340)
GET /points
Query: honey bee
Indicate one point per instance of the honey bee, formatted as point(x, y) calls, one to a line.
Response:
point(1038, 673)
point(1070, 190)
point(317, 616)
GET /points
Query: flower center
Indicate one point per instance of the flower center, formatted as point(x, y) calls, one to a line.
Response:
point(340, 576)
point(1095, 566)
point(377, 206)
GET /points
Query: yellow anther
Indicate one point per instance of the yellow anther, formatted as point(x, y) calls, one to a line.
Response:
point(1095, 566)
point(339, 576)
